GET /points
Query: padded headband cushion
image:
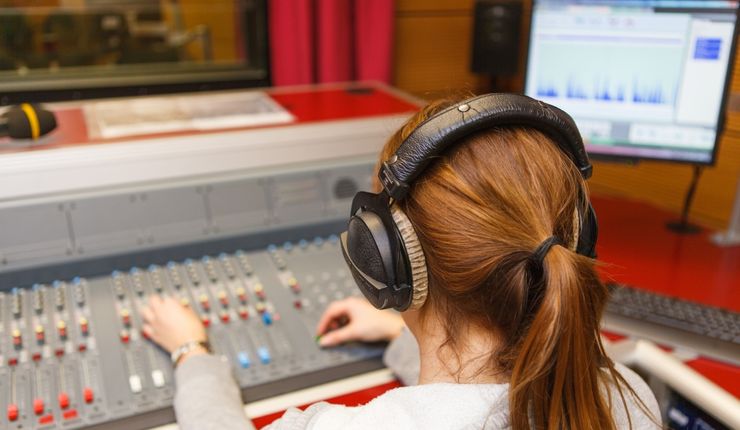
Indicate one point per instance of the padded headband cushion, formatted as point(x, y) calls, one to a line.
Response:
point(432, 137)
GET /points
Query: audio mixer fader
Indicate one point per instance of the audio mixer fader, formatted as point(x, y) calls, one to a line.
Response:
point(74, 354)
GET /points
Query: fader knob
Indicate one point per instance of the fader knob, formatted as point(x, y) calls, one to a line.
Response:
point(17, 340)
point(12, 412)
point(63, 400)
point(38, 406)
point(38, 300)
point(259, 290)
point(224, 317)
point(39, 330)
point(293, 284)
point(62, 329)
point(241, 293)
point(243, 313)
point(59, 297)
point(84, 326)
point(88, 395)
point(260, 307)
point(185, 302)
point(79, 291)
point(204, 303)
point(223, 298)
point(126, 317)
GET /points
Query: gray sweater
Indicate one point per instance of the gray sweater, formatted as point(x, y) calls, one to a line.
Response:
point(207, 398)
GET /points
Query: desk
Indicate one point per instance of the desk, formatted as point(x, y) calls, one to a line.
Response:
point(638, 250)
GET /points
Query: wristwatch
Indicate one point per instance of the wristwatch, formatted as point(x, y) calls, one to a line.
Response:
point(186, 347)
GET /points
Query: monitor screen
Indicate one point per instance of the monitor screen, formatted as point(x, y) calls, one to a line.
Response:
point(642, 79)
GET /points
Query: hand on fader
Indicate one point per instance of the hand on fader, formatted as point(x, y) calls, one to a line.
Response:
point(355, 319)
point(170, 324)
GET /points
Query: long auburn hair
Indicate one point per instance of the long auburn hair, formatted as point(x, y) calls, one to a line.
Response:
point(480, 211)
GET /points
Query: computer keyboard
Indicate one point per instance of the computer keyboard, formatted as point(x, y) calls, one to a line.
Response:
point(707, 330)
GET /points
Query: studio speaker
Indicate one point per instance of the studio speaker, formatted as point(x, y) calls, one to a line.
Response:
point(497, 26)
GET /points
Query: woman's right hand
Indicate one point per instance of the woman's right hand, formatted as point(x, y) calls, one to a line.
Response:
point(356, 319)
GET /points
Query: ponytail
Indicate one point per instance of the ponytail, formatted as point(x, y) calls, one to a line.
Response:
point(556, 383)
point(477, 225)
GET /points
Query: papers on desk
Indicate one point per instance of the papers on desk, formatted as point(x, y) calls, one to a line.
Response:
point(152, 115)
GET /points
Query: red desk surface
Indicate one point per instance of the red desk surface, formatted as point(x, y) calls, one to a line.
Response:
point(638, 250)
point(308, 104)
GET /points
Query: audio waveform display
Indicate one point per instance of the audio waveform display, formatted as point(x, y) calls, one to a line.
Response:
point(603, 91)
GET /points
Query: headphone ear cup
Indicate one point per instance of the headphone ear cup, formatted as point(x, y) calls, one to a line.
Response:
point(588, 234)
point(416, 259)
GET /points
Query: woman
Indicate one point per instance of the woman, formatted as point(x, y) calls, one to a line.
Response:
point(498, 347)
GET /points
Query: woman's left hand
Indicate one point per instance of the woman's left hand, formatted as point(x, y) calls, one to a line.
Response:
point(170, 324)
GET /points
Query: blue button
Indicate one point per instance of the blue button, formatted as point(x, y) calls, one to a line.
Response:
point(205, 259)
point(334, 239)
point(36, 287)
point(267, 318)
point(152, 267)
point(288, 246)
point(303, 243)
point(318, 241)
point(264, 355)
point(271, 247)
point(244, 360)
point(134, 270)
point(77, 280)
point(223, 256)
point(171, 264)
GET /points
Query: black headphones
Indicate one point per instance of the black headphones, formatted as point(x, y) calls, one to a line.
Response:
point(380, 245)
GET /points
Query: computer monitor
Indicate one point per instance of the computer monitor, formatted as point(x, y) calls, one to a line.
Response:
point(642, 79)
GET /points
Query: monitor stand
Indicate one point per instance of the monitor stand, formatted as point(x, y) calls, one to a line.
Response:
point(731, 237)
point(683, 226)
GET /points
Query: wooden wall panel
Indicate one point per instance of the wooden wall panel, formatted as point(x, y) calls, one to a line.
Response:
point(432, 59)
point(433, 42)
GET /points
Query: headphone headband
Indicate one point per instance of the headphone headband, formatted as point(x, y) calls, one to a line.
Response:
point(432, 137)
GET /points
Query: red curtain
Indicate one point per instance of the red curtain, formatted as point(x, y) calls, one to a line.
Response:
point(330, 40)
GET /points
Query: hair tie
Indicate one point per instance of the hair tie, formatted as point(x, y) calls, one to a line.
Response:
point(539, 254)
point(536, 272)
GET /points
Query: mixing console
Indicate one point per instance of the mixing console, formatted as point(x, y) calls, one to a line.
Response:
point(74, 354)
point(88, 233)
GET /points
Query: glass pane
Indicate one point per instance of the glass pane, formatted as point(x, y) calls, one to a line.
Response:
point(78, 44)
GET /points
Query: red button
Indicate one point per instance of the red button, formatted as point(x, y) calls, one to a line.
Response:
point(36, 356)
point(225, 317)
point(12, 412)
point(125, 336)
point(298, 304)
point(46, 419)
point(82, 347)
point(243, 313)
point(12, 361)
point(38, 406)
point(59, 352)
point(88, 395)
point(70, 414)
point(206, 320)
point(144, 335)
point(63, 400)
